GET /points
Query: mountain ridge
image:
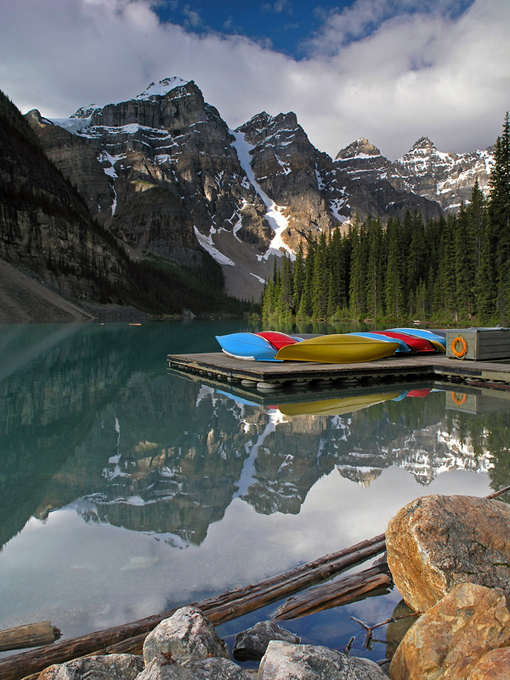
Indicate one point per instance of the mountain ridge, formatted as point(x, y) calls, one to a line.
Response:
point(165, 176)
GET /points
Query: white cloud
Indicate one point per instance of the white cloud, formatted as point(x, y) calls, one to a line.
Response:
point(376, 70)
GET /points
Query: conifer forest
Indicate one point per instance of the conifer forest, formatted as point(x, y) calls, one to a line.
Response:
point(449, 270)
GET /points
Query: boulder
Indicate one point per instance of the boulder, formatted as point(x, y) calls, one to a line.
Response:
point(437, 542)
point(108, 667)
point(454, 635)
point(203, 669)
point(284, 660)
point(402, 619)
point(186, 635)
point(251, 644)
point(492, 666)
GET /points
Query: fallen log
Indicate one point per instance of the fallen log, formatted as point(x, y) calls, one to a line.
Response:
point(29, 635)
point(335, 593)
point(225, 607)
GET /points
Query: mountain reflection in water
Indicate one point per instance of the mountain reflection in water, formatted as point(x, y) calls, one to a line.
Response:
point(110, 466)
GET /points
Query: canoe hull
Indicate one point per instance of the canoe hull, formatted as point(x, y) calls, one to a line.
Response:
point(247, 347)
point(338, 349)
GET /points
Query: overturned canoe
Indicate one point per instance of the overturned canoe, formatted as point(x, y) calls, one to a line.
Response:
point(338, 348)
point(278, 339)
point(438, 341)
point(403, 346)
point(415, 343)
point(247, 346)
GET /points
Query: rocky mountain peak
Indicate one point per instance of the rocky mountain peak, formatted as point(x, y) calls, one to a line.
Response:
point(423, 145)
point(361, 147)
point(162, 88)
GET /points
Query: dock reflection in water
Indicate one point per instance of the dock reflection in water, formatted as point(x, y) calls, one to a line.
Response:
point(126, 489)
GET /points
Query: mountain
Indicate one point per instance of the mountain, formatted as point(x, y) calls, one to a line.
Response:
point(165, 175)
point(446, 178)
point(45, 226)
point(161, 174)
point(58, 262)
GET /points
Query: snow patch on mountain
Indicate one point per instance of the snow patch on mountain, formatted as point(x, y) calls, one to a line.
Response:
point(207, 244)
point(162, 88)
point(275, 214)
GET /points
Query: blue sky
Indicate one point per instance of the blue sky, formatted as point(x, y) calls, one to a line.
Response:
point(391, 71)
point(283, 25)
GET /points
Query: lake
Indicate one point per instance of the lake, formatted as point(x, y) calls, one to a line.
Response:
point(127, 489)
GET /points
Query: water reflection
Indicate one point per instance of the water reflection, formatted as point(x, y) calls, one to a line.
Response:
point(115, 466)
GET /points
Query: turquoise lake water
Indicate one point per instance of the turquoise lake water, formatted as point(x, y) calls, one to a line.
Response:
point(127, 489)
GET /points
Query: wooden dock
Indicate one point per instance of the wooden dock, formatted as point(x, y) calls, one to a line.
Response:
point(270, 376)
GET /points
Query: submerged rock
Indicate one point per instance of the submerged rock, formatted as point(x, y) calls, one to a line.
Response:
point(437, 542)
point(251, 644)
point(451, 638)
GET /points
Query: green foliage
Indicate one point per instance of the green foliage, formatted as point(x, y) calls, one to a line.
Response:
point(159, 286)
point(453, 270)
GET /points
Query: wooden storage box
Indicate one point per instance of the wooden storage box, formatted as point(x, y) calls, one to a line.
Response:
point(478, 344)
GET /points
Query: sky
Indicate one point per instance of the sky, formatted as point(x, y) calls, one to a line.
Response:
point(391, 71)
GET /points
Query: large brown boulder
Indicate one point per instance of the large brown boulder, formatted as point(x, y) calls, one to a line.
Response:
point(452, 638)
point(492, 666)
point(437, 542)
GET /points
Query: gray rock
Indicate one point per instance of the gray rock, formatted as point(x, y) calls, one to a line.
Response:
point(251, 644)
point(108, 667)
point(187, 635)
point(284, 660)
point(204, 669)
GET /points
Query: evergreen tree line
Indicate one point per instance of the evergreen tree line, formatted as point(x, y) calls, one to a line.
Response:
point(448, 269)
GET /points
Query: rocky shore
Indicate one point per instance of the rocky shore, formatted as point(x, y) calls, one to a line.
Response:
point(450, 559)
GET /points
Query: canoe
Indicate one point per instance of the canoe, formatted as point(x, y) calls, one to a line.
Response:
point(278, 339)
point(338, 348)
point(436, 340)
point(335, 407)
point(403, 347)
point(247, 346)
point(414, 343)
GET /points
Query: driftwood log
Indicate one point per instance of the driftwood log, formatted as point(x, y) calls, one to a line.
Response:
point(335, 593)
point(129, 638)
point(29, 635)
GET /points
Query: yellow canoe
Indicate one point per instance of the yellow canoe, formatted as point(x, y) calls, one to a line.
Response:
point(338, 348)
point(336, 407)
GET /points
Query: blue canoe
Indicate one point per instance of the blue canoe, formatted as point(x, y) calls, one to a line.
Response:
point(247, 346)
point(437, 340)
point(375, 336)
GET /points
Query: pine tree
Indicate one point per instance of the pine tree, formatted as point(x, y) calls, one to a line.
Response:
point(320, 284)
point(499, 218)
point(446, 278)
point(374, 273)
point(298, 281)
point(394, 294)
point(357, 287)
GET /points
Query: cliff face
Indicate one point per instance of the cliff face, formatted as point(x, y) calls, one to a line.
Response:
point(45, 226)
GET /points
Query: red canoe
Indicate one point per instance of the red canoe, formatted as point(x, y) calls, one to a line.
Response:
point(277, 339)
point(416, 344)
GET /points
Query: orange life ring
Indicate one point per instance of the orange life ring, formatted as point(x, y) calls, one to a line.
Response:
point(461, 401)
point(460, 354)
